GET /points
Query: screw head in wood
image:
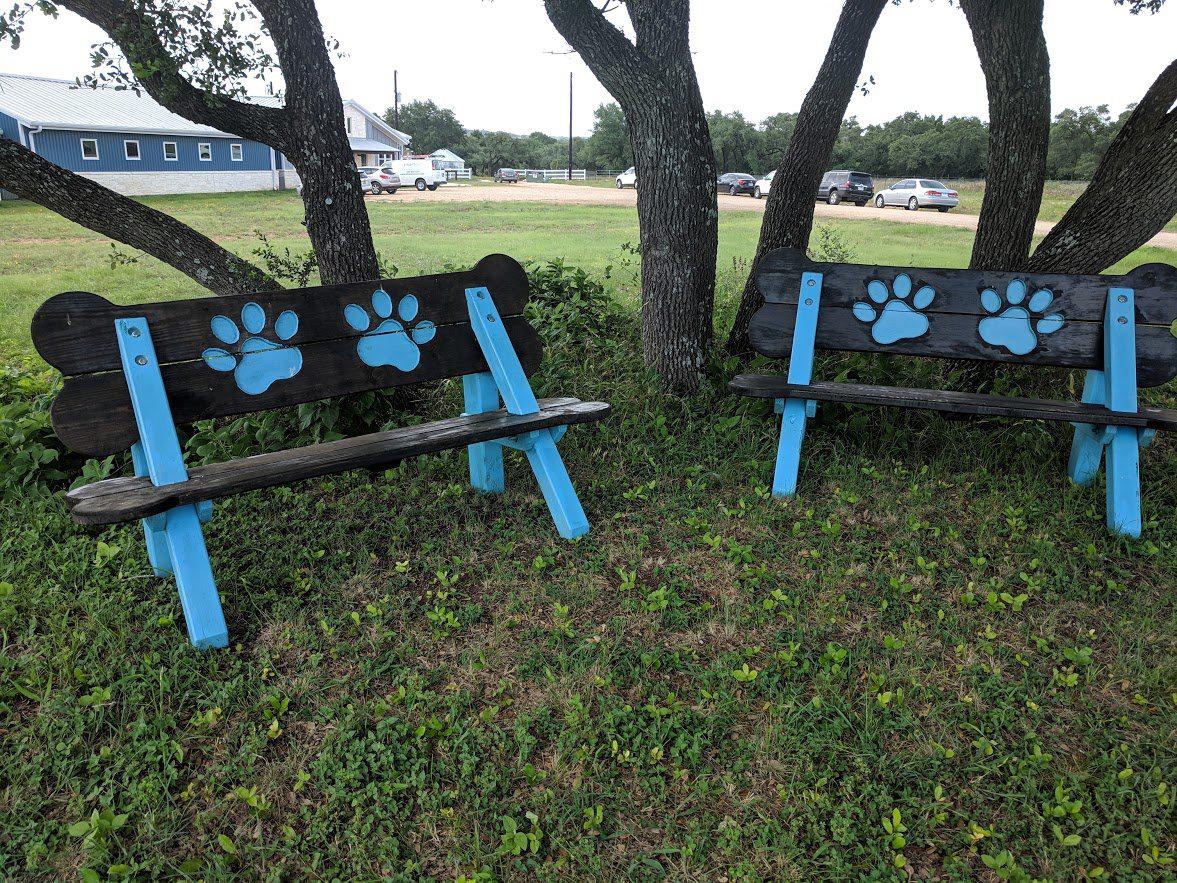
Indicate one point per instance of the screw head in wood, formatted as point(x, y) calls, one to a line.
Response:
point(1123, 298)
point(133, 331)
point(490, 318)
point(1122, 321)
point(140, 360)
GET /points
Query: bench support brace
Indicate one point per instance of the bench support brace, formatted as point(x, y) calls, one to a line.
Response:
point(175, 542)
point(507, 378)
point(1115, 388)
point(795, 412)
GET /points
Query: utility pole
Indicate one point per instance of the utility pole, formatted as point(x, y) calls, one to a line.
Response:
point(570, 126)
point(396, 103)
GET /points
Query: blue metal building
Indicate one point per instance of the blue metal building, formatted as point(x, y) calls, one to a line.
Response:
point(133, 145)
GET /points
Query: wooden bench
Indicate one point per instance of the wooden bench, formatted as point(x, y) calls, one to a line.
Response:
point(133, 374)
point(1116, 327)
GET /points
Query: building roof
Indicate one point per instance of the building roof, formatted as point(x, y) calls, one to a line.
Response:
point(62, 104)
point(367, 145)
point(379, 123)
point(446, 153)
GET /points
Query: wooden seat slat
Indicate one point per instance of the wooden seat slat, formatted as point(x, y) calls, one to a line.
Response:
point(118, 500)
point(776, 386)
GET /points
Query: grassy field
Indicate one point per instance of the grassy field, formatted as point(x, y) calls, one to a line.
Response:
point(934, 663)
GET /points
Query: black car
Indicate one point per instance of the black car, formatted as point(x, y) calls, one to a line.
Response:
point(735, 183)
point(842, 185)
point(507, 176)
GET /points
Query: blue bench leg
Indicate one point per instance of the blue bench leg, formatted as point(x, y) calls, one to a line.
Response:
point(788, 455)
point(557, 487)
point(1123, 482)
point(1088, 442)
point(486, 459)
point(153, 527)
point(194, 578)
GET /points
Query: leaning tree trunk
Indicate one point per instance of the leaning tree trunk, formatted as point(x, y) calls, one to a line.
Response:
point(308, 128)
point(653, 79)
point(1012, 50)
point(788, 215)
point(1132, 195)
point(93, 206)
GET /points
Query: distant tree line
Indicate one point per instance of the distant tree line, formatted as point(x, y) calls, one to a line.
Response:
point(910, 144)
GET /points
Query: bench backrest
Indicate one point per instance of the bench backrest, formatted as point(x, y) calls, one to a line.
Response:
point(233, 355)
point(1020, 318)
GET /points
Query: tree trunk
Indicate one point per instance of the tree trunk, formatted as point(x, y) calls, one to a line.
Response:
point(336, 217)
point(309, 128)
point(93, 206)
point(654, 82)
point(788, 215)
point(1012, 50)
point(1132, 195)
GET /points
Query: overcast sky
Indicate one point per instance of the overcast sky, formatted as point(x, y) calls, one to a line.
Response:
point(497, 64)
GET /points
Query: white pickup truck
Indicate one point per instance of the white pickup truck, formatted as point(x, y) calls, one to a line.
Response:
point(420, 173)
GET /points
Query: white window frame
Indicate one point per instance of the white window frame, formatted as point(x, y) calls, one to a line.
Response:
point(175, 157)
point(127, 142)
point(201, 147)
point(236, 152)
point(96, 155)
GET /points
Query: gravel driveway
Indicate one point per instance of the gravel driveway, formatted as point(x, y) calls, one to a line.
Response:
point(572, 194)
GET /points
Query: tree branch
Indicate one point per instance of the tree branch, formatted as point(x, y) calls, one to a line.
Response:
point(159, 72)
point(93, 206)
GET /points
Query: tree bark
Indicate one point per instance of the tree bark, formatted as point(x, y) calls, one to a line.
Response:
point(788, 214)
point(1132, 195)
point(309, 128)
point(653, 79)
point(1012, 50)
point(93, 206)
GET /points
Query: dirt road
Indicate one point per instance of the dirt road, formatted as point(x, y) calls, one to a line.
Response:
point(571, 194)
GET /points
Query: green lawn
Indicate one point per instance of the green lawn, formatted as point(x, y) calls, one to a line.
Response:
point(42, 254)
point(934, 662)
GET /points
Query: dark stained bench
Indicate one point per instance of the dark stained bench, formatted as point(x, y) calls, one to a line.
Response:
point(1116, 327)
point(133, 374)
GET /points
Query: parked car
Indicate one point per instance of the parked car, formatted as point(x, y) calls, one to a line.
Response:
point(628, 178)
point(420, 173)
point(379, 180)
point(843, 185)
point(763, 186)
point(915, 193)
point(735, 183)
point(507, 176)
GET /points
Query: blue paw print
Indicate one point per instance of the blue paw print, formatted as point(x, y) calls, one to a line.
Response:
point(389, 343)
point(897, 320)
point(1014, 327)
point(259, 362)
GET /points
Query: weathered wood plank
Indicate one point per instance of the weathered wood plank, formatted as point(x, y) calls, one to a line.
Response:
point(1077, 298)
point(125, 499)
point(957, 336)
point(93, 414)
point(774, 386)
point(74, 331)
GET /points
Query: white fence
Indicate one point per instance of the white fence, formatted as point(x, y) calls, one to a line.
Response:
point(556, 174)
point(452, 174)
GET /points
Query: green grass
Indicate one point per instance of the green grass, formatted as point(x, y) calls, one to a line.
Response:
point(426, 683)
point(45, 254)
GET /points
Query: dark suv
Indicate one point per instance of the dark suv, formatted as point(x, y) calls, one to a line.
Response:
point(842, 185)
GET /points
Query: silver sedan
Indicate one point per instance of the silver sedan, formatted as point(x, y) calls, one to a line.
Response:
point(916, 193)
